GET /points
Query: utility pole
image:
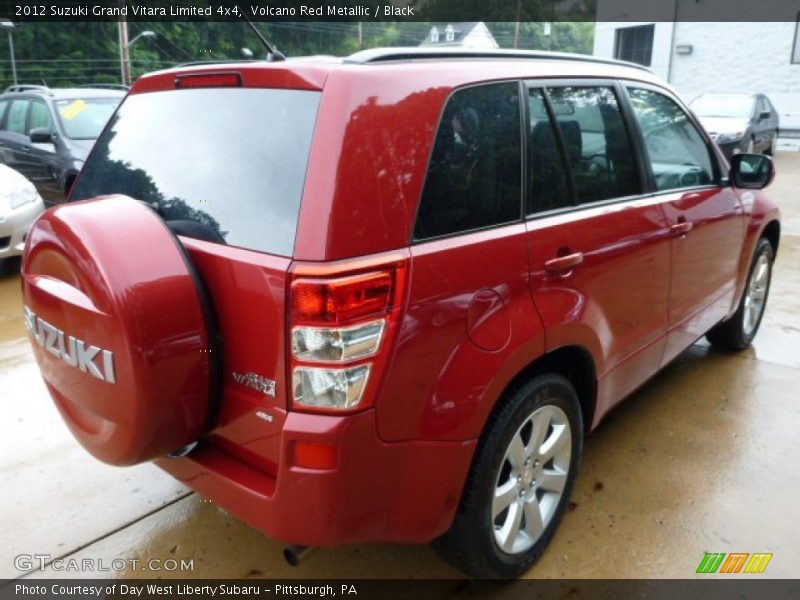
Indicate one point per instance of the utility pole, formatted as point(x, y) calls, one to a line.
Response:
point(360, 36)
point(516, 25)
point(124, 51)
point(9, 27)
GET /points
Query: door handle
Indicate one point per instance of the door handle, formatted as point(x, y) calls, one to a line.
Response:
point(681, 228)
point(562, 264)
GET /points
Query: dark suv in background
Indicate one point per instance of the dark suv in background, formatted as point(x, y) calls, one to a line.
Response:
point(46, 134)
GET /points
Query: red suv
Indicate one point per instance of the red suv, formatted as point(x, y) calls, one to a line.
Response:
point(384, 298)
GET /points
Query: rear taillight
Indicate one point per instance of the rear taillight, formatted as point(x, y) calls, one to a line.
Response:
point(342, 299)
point(341, 326)
point(337, 344)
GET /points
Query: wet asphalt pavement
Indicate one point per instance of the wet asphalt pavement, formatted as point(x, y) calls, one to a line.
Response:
point(702, 459)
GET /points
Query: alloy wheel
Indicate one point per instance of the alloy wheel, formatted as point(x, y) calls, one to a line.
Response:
point(756, 295)
point(532, 478)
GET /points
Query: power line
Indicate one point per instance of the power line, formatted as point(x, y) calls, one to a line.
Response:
point(167, 39)
point(164, 51)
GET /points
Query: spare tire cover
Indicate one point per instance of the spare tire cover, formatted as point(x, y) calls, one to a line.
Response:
point(120, 328)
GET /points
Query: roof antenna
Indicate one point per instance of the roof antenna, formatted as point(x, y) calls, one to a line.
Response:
point(273, 54)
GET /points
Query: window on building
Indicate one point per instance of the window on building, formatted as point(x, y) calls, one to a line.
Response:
point(796, 47)
point(635, 44)
point(475, 174)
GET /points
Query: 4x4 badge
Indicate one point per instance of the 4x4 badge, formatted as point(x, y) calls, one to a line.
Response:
point(256, 382)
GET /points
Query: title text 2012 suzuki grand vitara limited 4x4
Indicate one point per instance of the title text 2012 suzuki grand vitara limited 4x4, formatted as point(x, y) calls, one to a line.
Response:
point(384, 298)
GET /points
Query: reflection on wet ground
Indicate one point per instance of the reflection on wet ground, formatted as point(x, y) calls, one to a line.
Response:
point(703, 458)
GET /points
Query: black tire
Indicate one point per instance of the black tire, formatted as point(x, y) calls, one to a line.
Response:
point(734, 334)
point(471, 543)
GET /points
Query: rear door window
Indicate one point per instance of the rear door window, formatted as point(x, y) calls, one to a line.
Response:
point(548, 179)
point(229, 161)
point(599, 151)
point(678, 154)
point(17, 115)
point(475, 175)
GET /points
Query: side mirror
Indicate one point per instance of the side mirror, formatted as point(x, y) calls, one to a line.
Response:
point(41, 135)
point(752, 171)
point(764, 115)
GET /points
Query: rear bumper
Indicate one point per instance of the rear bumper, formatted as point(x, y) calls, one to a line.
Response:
point(403, 492)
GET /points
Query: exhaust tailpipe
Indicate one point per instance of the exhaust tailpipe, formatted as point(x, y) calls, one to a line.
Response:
point(294, 554)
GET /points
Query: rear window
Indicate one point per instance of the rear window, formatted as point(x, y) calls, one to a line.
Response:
point(232, 161)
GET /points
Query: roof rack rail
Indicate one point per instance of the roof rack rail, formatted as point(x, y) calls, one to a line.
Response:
point(376, 55)
point(24, 87)
point(197, 63)
point(106, 86)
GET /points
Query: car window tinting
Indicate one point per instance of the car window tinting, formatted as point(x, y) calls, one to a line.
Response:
point(17, 115)
point(232, 161)
point(598, 147)
point(677, 152)
point(3, 107)
point(475, 174)
point(548, 186)
point(40, 117)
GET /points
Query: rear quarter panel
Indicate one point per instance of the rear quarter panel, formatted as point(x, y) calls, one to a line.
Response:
point(470, 327)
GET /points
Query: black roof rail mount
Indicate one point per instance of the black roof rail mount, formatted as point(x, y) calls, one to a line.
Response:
point(199, 63)
point(105, 86)
point(377, 55)
point(25, 87)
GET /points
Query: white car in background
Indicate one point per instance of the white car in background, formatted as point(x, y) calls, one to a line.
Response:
point(20, 204)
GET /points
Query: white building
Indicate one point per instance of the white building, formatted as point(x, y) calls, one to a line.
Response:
point(702, 56)
point(470, 35)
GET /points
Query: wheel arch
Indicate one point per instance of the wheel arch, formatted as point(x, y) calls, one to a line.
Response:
point(573, 362)
point(763, 223)
point(772, 231)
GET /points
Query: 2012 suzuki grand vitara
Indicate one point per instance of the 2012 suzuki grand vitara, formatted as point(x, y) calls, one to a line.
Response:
point(384, 298)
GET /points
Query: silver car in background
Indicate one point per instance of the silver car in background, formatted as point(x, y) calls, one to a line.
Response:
point(20, 204)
